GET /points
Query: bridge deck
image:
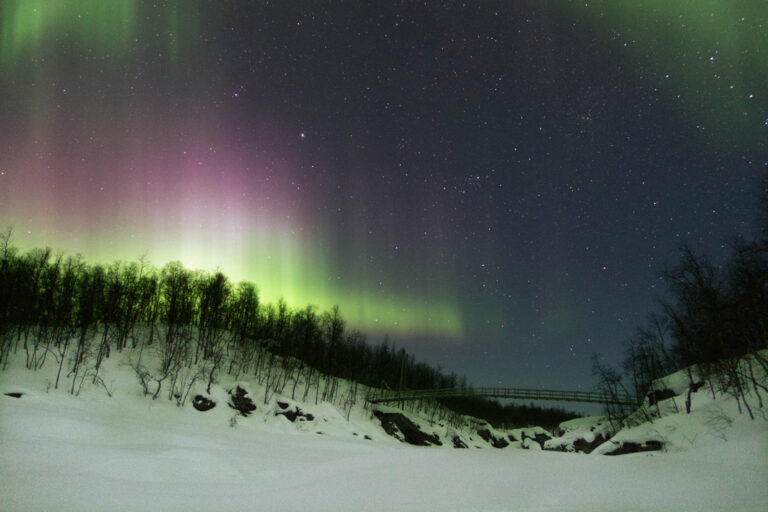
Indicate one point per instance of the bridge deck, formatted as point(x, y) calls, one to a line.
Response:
point(510, 393)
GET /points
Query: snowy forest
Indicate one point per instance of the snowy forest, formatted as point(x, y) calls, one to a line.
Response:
point(61, 308)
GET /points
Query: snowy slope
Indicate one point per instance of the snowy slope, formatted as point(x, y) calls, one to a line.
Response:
point(127, 452)
point(715, 418)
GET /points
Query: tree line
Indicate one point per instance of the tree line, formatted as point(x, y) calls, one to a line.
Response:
point(714, 323)
point(510, 415)
point(57, 305)
point(200, 324)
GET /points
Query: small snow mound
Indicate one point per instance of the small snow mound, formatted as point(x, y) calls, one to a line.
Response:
point(530, 444)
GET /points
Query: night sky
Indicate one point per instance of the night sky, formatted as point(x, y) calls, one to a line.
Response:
point(494, 185)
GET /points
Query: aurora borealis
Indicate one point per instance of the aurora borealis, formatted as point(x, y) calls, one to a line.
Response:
point(496, 186)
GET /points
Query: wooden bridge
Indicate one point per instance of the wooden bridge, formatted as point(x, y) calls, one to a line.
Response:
point(509, 393)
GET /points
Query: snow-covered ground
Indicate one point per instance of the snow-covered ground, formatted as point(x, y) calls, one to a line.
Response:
point(128, 452)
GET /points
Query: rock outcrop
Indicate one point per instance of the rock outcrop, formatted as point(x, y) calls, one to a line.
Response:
point(496, 442)
point(241, 402)
point(293, 414)
point(586, 444)
point(400, 427)
point(631, 447)
point(458, 443)
point(539, 438)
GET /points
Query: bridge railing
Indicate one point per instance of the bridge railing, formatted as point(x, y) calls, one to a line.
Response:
point(507, 393)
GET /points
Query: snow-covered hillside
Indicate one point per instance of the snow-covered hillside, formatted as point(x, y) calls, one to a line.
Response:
point(665, 424)
point(129, 452)
point(715, 419)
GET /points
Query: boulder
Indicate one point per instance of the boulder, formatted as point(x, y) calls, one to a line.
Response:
point(583, 446)
point(203, 403)
point(294, 414)
point(539, 438)
point(241, 402)
point(493, 440)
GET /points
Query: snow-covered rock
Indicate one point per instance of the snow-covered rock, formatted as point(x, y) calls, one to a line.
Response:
point(580, 435)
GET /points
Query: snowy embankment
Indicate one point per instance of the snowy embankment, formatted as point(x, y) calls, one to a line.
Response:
point(665, 424)
point(128, 452)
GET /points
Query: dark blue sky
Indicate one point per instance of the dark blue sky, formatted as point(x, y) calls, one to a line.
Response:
point(523, 170)
point(555, 158)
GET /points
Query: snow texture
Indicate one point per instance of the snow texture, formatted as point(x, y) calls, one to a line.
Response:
point(128, 452)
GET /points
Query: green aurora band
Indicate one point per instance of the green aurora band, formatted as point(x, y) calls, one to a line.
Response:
point(665, 40)
point(275, 245)
point(51, 201)
point(110, 26)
